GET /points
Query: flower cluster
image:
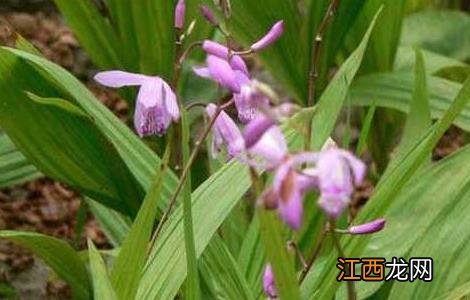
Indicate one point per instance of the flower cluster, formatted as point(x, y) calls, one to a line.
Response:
point(332, 172)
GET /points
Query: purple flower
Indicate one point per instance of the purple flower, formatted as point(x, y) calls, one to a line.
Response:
point(180, 12)
point(290, 187)
point(256, 129)
point(337, 171)
point(273, 35)
point(216, 49)
point(156, 103)
point(269, 286)
point(367, 228)
point(269, 150)
point(220, 71)
point(225, 131)
point(249, 100)
point(208, 15)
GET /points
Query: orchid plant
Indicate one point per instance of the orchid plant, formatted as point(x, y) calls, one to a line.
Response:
point(271, 142)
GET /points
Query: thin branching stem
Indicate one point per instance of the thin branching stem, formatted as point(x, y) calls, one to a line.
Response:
point(187, 169)
point(315, 254)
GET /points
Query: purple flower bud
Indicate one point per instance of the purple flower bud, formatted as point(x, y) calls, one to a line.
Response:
point(269, 286)
point(216, 49)
point(208, 15)
point(367, 228)
point(225, 131)
point(255, 130)
point(273, 35)
point(156, 103)
point(180, 12)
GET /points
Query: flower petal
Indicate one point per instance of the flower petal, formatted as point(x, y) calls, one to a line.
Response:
point(357, 166)
point(221, 51)
point(221, 72)
point(202, 72)
point(269, 286)
point(271, 147)
point(118, 79)
point(273, 35)
point(170, 102)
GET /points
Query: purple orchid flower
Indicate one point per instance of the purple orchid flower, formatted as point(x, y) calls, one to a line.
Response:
point(234, 77)
point(225, 131)
point(156, 104)
point(290, 186)
point(269, 286)
point(208, 15)
point(337, 172)
point(180, 12)
point(367, 228)
point(273, 35)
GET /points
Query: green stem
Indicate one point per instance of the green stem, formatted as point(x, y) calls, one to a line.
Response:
point(350, 284)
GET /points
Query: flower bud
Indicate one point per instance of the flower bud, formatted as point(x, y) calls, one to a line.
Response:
point(269, 286)
point(367, 228)
point(273, 35)
point(206, 12)
point(180, 12)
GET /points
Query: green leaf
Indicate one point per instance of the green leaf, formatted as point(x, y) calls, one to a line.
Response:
point(58, 255)
point(93, 31)
point(287, 58)
point(192, 282)
point(222, 274)
point(45, 77)
point(252, 257)
point(366, 125)
point(277, 255)
point(419, 116)
point(383, 44)
point(212, 202)
point(14, 167)
point(434, 62)
point(154, 31)
point(439, 31)
point(114, 225)
point(395, 90)
point(127, 267)
point(50, 130)
point(430, 208)
point(325, 284)
point(334, 95)
point(102, 287)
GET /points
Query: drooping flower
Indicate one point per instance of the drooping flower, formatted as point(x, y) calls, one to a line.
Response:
point(290, 187)
point(337, 172)
point(269, 285)
point(156, 104)
point(273, 35)
point(249, 100)
point(367, 228)
point(220, 71)
point(225, 131)
point(180, 12)
point(208, 15)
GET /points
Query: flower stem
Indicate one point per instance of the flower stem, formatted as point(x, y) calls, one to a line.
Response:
point(315, 62)
point(187, 169)
point(315, 254)
point(350, 284)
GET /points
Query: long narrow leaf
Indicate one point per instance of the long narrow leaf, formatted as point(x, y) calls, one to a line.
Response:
point(59, 255)
point(102, 287)
point(333, 98)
